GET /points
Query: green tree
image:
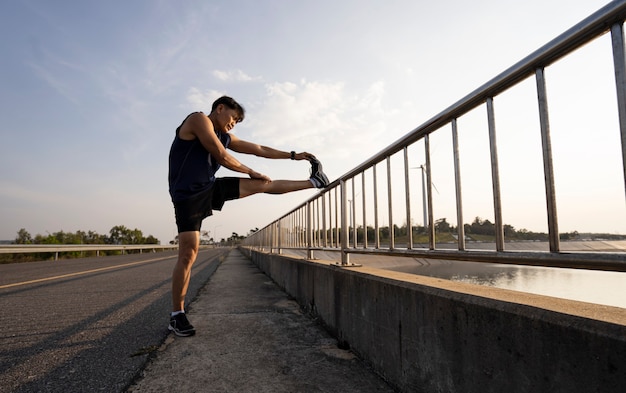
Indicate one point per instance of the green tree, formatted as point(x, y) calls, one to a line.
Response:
point(205, 238)
point(151, 240)
point(92, 237)
point(23, 237)
point(50, 239)
point(481, 227)
point(442, 225)
point(119, 234)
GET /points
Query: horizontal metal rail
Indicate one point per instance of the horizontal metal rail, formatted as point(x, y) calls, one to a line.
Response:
point(60, 248)
point(329, 220)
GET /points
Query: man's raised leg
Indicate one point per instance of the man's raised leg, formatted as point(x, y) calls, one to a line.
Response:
point(253, 186)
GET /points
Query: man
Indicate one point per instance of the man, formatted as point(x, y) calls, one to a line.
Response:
point(198, 151)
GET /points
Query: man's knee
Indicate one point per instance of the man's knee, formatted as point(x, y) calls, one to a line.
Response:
point(188, 244)
point(187, 256)
point(249, 187)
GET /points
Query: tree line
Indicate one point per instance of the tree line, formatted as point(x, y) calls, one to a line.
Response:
point(119, 234)
point(479, 230)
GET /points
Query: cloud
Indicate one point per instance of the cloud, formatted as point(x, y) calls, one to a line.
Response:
point(321, 116)
point(234, 76)
point(202, 99)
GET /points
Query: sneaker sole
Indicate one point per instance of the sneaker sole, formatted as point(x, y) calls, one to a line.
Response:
point(181, 333)
point(320, 175)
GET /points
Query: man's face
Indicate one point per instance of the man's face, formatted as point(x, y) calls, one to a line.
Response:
point(226, 118)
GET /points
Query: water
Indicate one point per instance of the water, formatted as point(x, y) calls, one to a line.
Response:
point(599, 287)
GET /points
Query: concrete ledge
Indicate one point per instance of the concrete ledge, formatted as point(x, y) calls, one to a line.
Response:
point(424, 334)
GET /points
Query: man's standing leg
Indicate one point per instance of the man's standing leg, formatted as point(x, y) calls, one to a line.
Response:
point(188, 244)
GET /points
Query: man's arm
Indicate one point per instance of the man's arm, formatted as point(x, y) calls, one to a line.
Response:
point(245, 147)
point(199, 126)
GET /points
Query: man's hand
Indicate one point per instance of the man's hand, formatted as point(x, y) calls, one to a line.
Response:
point(259, 176)
point(304, 156)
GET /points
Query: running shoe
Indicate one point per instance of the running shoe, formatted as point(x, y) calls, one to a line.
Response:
point(179, 324)
point(318, 178)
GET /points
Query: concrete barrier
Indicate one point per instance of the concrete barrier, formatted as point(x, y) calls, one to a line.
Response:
point(426, 334)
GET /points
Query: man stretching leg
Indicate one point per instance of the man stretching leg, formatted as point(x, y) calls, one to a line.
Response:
point(198, 151)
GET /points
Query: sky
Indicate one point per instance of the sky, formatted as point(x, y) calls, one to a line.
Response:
point(91, 93)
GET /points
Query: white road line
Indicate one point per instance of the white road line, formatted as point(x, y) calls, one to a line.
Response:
point(17, 284)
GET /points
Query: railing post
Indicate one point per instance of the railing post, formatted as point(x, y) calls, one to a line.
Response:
point(317, 225)
point(324, 227)
point(407, 199)
point(429, 195)
point(457, 185)
point(279, 239)
point(495, 176)
point(392, 244)
point(271, 238)
point(302, 217)
point(337, 226)
point(309, 231)
point(619, 61)
point(364, 210)
point(345, 258)
point(376, 229)
point(548, 169)
point(353, 215)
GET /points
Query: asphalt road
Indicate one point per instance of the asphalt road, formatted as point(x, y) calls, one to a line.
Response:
point(87, 325)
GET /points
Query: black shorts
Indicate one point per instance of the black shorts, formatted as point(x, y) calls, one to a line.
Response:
point(190, 212)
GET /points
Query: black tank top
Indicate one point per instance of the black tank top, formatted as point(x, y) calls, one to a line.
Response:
point(191, 167)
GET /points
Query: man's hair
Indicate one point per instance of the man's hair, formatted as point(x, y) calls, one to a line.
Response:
point(232, 104)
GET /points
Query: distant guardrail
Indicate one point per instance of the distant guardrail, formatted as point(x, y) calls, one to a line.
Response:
point(59, 248)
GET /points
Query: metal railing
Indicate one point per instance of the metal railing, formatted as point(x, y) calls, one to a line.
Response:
point(61, 248)
point(328, 221)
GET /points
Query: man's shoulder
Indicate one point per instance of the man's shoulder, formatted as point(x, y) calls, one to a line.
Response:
point(196, 117)
point(193, 124)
